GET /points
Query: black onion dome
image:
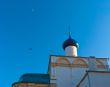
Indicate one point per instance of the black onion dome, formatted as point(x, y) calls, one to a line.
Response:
point(70, 42)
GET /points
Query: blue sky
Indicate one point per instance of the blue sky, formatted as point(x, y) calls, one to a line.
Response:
point(43, 26)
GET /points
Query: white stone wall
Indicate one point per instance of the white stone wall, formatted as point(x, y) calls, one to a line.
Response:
point(96, 79)
point(69, 77)
point(99, 79)
point(20, 84)
point(66, 74)
point(71, 51)
point(63, 77)
point(77, 75)
point(85, 83)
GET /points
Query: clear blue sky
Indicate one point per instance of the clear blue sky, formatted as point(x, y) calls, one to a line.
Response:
point(43, 26)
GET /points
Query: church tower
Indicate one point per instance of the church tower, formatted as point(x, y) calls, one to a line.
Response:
point(70, 69)
point(70, 46)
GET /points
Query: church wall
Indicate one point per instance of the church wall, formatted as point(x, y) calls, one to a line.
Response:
point(69, 77)
point(68, 71)
point(96, 79)
point(71, 51)
point(77, 75)
point(31, 85)
point(99, 79)
point(63, 77)
point(85, 83)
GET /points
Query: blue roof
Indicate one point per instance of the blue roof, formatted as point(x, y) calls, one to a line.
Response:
point(35, 78)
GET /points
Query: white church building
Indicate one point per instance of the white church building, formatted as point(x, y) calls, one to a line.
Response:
point(70, 70)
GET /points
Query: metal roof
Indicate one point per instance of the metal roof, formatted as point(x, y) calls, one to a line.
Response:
point(35, 78)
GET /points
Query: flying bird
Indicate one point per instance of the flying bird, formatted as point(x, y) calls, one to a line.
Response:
point(30, 49)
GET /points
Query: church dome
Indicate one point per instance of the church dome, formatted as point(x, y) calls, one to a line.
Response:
point(70, 42)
